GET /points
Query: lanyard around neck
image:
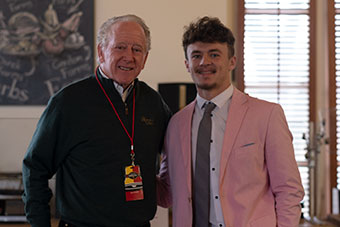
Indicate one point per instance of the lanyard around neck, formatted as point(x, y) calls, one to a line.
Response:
point(121, 122)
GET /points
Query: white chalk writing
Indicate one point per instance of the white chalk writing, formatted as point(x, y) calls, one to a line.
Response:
point(13, 92)
point(15, 5)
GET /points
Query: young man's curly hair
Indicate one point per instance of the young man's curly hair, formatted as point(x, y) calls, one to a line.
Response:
point(208, 30)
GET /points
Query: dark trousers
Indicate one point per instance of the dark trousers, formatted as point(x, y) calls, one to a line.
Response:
point(66, 224)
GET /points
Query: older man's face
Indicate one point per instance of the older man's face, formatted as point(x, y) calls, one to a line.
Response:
point(125, 53)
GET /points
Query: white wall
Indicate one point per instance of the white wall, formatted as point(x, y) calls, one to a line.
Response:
point(165, 18)
point(17, 125)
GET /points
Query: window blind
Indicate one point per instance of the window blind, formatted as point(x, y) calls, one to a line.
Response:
point(337, 68)
point(276, 65)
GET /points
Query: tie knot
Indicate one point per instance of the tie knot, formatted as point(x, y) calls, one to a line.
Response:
point(209, 107)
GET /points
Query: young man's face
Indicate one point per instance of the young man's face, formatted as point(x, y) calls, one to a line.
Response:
point(125, 53)
point(209, 65)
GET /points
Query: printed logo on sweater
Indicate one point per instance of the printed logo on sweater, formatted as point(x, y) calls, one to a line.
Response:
point(147, 121)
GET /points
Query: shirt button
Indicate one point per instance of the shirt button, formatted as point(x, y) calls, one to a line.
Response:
point(213, 169)
point(216, 197)
point(221, 225)
point(211, 141)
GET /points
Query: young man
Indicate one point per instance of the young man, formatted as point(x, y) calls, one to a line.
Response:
point(101, 135)
point(229, 158)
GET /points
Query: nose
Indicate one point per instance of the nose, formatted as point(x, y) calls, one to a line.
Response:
point(128, 55)
point(205, 60)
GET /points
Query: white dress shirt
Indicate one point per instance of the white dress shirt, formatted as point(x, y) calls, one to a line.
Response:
point(219, 118)
point(123, 93)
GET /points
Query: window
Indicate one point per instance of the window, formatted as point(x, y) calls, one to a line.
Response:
point(334, 89)
point(337, 83)
point(275, 65)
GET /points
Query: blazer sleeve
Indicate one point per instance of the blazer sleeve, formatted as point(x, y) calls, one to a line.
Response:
point(164, 198)
point(285, 180)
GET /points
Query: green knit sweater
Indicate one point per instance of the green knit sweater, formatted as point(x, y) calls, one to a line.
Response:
point(80, 138)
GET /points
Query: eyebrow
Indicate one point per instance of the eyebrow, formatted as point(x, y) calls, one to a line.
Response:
point(214, 50)
point(132, 44)
point(195, 52)
point(209, 51)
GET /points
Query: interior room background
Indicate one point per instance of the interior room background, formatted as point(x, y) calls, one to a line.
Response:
point(165, 64)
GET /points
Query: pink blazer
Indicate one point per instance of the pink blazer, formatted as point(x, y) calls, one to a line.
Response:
point(260, 185)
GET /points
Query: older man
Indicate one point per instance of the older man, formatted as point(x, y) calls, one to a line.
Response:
point(101, 135)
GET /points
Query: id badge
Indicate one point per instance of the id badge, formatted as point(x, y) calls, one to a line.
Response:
point(133, 183)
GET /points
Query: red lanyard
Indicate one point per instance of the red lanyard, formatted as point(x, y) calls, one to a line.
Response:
point(121, 122)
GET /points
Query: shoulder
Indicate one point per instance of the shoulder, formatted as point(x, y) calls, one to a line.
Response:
point(79, 85)
point(261, 103)
point(145, 89)
point(184, 115)
point(254, 102)
point(73, 93)
point(75, 87)
point(255, 107)
point(147, 94)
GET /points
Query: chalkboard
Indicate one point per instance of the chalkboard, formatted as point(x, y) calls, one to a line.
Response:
point(44, 45)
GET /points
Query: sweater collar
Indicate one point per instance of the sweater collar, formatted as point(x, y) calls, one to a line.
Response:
point(108, 82)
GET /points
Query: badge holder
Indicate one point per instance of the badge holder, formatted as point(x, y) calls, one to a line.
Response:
point(133, 181)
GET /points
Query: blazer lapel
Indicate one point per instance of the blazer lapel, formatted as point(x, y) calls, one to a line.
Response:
point(237, 110)
point(186, 138)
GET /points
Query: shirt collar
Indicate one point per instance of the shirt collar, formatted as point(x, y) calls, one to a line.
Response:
point(118, 87)
point(219, 100)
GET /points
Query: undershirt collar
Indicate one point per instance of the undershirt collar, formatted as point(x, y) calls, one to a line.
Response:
point(219, 100)
point(119, 88)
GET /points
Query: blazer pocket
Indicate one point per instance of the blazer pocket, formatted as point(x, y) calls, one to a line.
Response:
point(248, 144)
point(246, 149)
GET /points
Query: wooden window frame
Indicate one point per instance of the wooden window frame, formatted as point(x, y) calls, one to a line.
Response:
point(239, 70)
point(332, 96)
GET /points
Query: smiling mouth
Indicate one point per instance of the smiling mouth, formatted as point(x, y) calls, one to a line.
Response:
point(125, 68)
point(206, 72)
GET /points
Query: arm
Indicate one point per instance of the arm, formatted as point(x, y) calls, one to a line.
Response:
point(284, 175)
point(39, 165)
point(162, 179)
point(163, 184)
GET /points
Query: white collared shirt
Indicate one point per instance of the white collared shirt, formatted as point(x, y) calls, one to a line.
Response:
point(219, 118)
point(123, 93)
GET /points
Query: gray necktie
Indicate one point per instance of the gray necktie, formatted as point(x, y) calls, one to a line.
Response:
point(202, 170)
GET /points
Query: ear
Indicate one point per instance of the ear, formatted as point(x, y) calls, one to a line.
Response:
point(146, 57)
point(187, 65)
point(100, 53)
point(232, 63)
